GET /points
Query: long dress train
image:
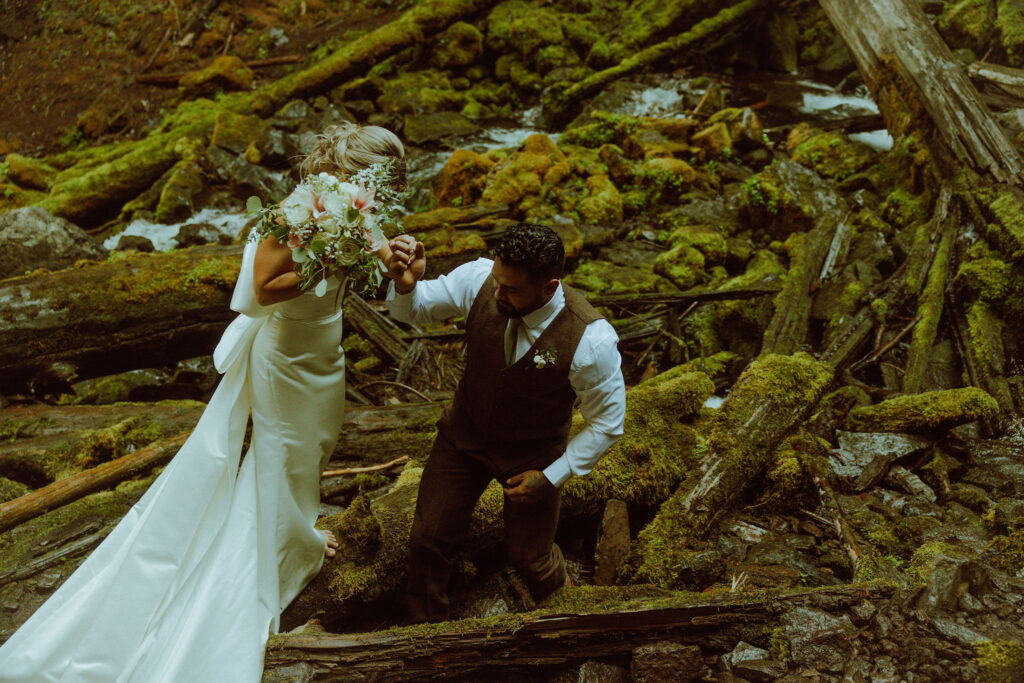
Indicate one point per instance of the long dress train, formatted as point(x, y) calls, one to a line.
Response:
point(190, 583)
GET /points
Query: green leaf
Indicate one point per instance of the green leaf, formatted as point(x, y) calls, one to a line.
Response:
point(318, 245)
point(253, 204)
point(352, 216)
point(300, 254)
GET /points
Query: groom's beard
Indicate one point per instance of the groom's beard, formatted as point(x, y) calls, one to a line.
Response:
point(508, 310)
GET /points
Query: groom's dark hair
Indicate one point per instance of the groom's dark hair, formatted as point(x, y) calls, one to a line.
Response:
point(535, 248)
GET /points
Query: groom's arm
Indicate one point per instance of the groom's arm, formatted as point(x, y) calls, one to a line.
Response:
point(447, 296)
point(596, 376)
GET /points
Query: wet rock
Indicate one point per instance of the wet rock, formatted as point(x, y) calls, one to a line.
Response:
point(424, 128)
point(948, 580)
point(248, 178)
point(863, 612)
point(237, 132)
point(955, 631)
point(612, 542)
point(743, 652)
point(666, 662)
point(760, 669)
point(714, 139)
point(817, 639)
point(134, 243)
point(176, 202)
point(47, 581)
point(195, 234)
point(32, 238)
point(226, 72)
point(292, 115)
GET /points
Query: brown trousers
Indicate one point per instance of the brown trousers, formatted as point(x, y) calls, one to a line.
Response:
point(452, 483)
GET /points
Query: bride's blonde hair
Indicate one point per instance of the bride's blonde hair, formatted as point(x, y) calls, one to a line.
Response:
point(349, 147)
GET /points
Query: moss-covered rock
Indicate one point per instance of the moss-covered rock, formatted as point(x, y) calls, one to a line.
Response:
point(419, 92)
point(516, 26)
point(462, 178)
point(226, 72)
point(596, 276)
point(999, 661)
point(682, 265)
point(458, 45)
point(929, 411)
point(715, 139)
point(832, 154)
point(664, 178)
point(603, 203)
point(744, 126)
point(421, 129)
point(741, 323)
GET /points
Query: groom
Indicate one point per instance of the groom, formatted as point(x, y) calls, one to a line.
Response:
point(533, 347)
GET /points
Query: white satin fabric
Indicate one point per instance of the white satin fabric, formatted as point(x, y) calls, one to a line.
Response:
point(190, 583)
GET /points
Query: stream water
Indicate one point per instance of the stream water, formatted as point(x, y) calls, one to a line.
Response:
point(781, 102)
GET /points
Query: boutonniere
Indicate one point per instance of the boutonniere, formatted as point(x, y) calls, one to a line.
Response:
point(544, 358)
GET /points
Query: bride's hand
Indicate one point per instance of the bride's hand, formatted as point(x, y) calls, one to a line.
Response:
point(406, 262)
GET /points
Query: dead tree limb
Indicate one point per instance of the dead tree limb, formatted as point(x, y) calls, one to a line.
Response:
point(80, 485)
point(375, 327)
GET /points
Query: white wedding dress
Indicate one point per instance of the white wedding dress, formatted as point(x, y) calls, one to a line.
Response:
point(188, 586)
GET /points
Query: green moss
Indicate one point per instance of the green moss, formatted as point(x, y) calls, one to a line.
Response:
point(774, 392)
point(11, 429)
point(1008, 551)
point(1010, 23)
point(682, 265)
point(603, 204)
point(930, 305)
point(459, 45)
point(932, 410)
point(715, 365)
point(833, 155)
point(999, 661)
point(9, 490)
point(741, 323)
point(985, 346)
point(965, 23)
point(903, 207)
point(602, 277)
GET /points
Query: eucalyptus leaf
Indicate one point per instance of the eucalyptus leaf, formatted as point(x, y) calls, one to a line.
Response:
point(321, 287)
point(300, 254)
point(253, 204)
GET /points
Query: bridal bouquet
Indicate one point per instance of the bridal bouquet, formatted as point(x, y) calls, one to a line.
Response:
point(331, 224)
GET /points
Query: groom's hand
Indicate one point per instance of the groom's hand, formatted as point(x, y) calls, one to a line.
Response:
point(406, 263)
point(527, 487)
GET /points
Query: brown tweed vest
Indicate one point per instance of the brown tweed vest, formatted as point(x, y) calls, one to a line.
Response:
point(517, 415)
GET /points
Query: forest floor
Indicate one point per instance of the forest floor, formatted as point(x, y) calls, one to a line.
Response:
point(74, 61)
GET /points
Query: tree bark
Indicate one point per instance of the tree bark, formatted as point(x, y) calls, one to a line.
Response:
point(138, 311)
point(546, 638)
point(909, 68)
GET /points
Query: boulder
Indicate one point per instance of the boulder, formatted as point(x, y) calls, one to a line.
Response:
point(423, 128)
point(666, 662)
point(459, 45)
point(32, 238)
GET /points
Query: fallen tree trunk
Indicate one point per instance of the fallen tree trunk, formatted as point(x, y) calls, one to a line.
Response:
point(768, 400)
point(139, 311)
point(705, 35)
point(101, 477)
point(547, 637)
point(907, 66)
point(642, 468)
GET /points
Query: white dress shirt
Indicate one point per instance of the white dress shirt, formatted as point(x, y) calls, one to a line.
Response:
point(595, 372)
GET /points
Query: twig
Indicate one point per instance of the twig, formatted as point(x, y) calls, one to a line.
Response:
point(397, 384)
point(361, 470)
point(885, 349)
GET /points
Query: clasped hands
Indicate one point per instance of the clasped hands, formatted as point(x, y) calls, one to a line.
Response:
point(405, 262)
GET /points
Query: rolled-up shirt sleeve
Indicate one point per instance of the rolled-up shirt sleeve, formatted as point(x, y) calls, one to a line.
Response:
point(596, 377)
point(447, 296)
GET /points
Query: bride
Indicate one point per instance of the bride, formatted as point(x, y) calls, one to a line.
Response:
point(190, 583)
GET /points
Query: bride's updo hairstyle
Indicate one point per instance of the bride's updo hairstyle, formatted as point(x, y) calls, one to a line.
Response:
point(346, 148)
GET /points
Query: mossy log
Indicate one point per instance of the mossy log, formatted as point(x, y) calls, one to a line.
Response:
point(706, 35)
point(826, 207)
point(930, 303)
point(768, 400)
point(575, 625)
point(902, 60)
point(136, 311)
point(104, 476)
point(642, 468)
